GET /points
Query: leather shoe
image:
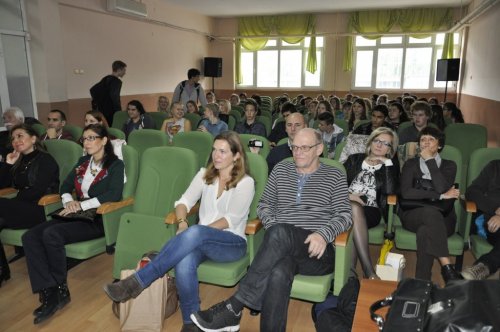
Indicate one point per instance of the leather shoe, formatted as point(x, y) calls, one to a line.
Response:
point(449, 273)
point(63, 294)
point(49, 306)
point(124, 290)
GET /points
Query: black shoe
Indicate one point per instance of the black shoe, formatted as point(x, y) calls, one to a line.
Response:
point(190, 328)
point(64, 298)
point(220, 317)
point(449, 273)
point(49, 306)
point(4, 274)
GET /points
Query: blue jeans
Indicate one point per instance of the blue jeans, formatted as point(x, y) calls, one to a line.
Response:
point(186, 252)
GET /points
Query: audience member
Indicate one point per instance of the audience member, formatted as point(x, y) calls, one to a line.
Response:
point(371, 177)
point(225, 108)
point(312, 112)
point(250, 125)
point(34, 173)
point(407, 102)
point(226, 192)
point(95, 117)
point(382, 99)
point(192, 107)
point(331, 134)
point(211, 97)
point(234, 99)
point(433, 101)
point(293, 123)
point(12, 116)
point(421, 113)
point(211, 122)
point(324, 106)
point(190, 89)
point(346, 111)
point(452, 113)
point(137, 118)
point(427, 178)
point(164, 105)
point(177, 123)
point(55, 127)
point(397, 115)
point(358, 113)
point(279, 131)
point(379, 114)
point(485, 192)
point(106, 93)
point(316, 205)
point(437, 116)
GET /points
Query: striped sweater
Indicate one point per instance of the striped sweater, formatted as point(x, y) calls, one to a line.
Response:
point(324, 203)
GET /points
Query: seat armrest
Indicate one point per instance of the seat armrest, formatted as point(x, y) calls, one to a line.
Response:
point(392, 199)
point(171, 218)
point(470, 206)
point(7, 191)
point(253, 226)
point(113, 206)
point(341, 239)
point(49, 199)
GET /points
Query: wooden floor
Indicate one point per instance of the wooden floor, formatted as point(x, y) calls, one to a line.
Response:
point(90, 308)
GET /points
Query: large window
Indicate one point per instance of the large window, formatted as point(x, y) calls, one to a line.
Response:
point(398, 62)
point(281, 65)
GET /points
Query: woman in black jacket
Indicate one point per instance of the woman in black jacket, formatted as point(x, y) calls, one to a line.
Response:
point(371, 177)
point(97, 178)
point(34, 173)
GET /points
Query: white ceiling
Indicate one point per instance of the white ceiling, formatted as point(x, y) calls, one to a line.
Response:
point(236, 8)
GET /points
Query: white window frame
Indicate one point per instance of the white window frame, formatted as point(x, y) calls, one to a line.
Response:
point(279, 47)
point(404, 45)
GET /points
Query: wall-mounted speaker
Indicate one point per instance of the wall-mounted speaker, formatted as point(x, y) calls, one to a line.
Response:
point(448, 70)
point(213, 67)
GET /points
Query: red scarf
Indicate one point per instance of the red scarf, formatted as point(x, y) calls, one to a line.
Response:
point(80, 173)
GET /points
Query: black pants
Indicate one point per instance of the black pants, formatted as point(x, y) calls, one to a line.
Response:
point(433, 230)
point(268, 283)
point(492, 259)
point(18, 214)
point(45, 253)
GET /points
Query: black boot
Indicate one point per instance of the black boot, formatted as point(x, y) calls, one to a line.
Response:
point(49, 306)
point(64, 298)
point(4, 266)
point(449, 273)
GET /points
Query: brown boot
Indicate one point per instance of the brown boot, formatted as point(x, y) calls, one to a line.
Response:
point(124, 290)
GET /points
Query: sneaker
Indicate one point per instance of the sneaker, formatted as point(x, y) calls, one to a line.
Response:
point(477, 271)
point(220, 317)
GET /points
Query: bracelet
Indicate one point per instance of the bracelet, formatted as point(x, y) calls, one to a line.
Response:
point(183, 220)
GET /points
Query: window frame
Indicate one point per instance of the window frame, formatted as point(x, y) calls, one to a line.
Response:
point(280, 47)
point(404, 45)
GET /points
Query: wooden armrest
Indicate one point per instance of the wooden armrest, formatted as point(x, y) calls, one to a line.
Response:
point(392, 199)
point(341, 239)
point(470, 206)
point(171, 218)
point(113, 206)
point(49, 199)
point(7, 191)
point(253, 226)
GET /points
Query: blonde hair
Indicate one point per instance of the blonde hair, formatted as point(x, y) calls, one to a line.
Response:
point(379, 131)
point(240, 167)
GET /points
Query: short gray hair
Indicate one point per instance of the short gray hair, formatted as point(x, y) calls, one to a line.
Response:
point(18, 114)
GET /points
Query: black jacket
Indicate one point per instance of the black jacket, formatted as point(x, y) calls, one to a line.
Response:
point(386, 178)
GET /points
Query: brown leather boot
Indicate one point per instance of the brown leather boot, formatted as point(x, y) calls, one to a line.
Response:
point(124, 290)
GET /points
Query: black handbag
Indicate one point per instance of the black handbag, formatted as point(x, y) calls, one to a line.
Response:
point(461, 306)
point(87, 215)
point(443, 205)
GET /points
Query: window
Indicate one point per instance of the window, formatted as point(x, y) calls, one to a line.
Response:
point(398, 62)
point(281, 65)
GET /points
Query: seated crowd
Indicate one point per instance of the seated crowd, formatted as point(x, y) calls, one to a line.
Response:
point(327, 202)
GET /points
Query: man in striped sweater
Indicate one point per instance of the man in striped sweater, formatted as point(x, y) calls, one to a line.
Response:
point(305, 205)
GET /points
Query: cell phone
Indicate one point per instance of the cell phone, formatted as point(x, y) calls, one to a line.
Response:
point(364, 198)
point(456, 185)
point(255, 143)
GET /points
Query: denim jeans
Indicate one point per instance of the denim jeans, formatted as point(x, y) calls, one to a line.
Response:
point(186, 252)
point(268, 283)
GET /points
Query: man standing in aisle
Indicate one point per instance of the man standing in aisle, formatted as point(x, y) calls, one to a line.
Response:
point(106, 93)
point(190, 89)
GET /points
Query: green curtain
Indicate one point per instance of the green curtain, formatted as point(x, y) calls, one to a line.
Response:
point(415, 20)
point(448, 47)
point(283, 25)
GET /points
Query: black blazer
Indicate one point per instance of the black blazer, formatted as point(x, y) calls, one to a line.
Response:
point(386, 178)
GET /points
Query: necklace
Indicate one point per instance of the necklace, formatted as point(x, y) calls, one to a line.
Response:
point(94, 171)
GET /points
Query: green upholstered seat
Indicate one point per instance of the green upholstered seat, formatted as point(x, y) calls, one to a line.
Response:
point(119, 119)
point(158, 118)
point(146, 138)
point(194, 119)
point(117, 133)
point(164, 175)
point(75, 131)
point(197, 141)
point(39, 128)
point(266, 121)
point(237, 115)
point(231, 122)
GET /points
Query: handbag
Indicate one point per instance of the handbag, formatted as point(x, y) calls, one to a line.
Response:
point(148, 311)
point(443, 205)
point(87, 215)
point(463, 305)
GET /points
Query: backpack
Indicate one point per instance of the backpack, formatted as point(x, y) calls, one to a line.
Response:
point(98, 91)
point(196, 86)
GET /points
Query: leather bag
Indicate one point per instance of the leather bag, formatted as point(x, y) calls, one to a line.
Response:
point(87, 215)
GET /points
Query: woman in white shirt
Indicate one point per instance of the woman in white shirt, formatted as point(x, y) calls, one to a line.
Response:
point(226, 191)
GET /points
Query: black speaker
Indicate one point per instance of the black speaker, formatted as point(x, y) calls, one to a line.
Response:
point(213, 67)
point(448, 70)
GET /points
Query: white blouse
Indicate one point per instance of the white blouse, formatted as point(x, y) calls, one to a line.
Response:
point(233, 204)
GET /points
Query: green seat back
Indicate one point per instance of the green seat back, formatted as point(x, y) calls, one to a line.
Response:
point(231, 122)
point(404, 125)
point(282, 141)
point(131, 161)
point(66, 153)
point(266, 121)
point(116, 133)
point(75, 131)
point(197, 141)
point(165, 173)
point(237, 115)
point(119, 119)
point(360, 122)
point(266, 113)
point(146, 138)
point(239, 109)
point(245, 138)
point(194, 119)
point(338, 149)
point(344, 125)
point(39, 128)
point(158, 118)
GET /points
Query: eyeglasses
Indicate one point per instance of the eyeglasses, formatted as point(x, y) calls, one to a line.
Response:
point(387, 144)
point(89, 138)
point(303, 148)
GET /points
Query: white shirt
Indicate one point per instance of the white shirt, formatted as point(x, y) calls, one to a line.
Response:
point(88, 178)
point(233, 204)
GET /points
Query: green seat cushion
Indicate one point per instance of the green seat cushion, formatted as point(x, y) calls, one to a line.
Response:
point(479, 246)
point(12, 236)
point(224, 274)
point(311, 288)
point(86, 249)
point(408, 240)
point(376, 234)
